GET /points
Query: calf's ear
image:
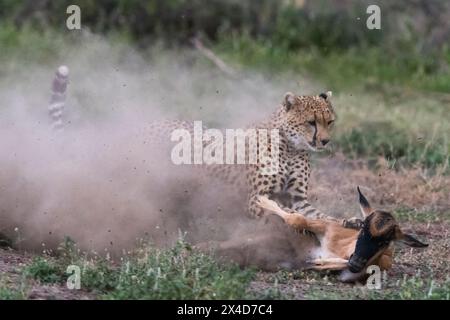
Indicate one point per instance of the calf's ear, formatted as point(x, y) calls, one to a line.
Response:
point(408, 239)
point(366, 209)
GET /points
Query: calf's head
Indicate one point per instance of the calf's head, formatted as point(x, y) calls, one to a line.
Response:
point(378, 231)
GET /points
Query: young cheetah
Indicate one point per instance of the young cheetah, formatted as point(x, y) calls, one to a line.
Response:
point(303, 123)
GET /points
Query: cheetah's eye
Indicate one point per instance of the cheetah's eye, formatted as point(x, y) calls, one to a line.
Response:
point(313, 123)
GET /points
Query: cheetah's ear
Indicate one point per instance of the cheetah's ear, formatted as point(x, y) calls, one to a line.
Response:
point(289, 100)
point(326, 95)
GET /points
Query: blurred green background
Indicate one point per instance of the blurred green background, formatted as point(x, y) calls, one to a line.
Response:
point(393, 82)
point(411, 48)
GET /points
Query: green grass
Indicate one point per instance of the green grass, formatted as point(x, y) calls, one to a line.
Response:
point(373, 139)
point(10, 290)
point(405, 128)
point(410, 288)
point(29, 46)
point(176, 273)
point(408, 215)
point(7, 293)
point(385, 106)
point(44, 270)
point(180, 272)
point(362, 67)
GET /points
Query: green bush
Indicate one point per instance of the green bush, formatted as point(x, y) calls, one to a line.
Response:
point(44, 270)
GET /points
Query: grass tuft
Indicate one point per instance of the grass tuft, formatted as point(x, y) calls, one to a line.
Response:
point(410, 288)
point(180, 272)
point(44, 270)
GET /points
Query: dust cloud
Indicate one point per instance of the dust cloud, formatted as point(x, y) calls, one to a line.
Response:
point(103, 181)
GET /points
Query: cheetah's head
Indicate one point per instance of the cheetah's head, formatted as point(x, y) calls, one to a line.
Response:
point(307, 120)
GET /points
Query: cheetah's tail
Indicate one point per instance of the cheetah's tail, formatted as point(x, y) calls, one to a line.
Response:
point(58, 98)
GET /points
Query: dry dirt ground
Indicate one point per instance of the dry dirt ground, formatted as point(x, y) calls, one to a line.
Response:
point(11, 264)
point(420, 202)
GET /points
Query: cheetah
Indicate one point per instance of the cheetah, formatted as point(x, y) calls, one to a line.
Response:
point(304, 124)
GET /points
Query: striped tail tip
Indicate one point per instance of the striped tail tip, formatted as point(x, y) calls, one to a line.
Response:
point(58, 98)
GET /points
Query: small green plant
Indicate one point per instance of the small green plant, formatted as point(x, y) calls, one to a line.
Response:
point(99, 276)
point(44, 270)
point(8, 293)
point(272, 293)
point(68, 252)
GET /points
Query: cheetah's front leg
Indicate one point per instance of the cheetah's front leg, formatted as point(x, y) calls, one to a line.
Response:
point(305, 208)
point(297, 186)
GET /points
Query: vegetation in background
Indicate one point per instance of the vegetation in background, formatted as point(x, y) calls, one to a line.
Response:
point(371, 68)
point(325, 40)
point(372, 139)
point(405, 126)
point(328, 39)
